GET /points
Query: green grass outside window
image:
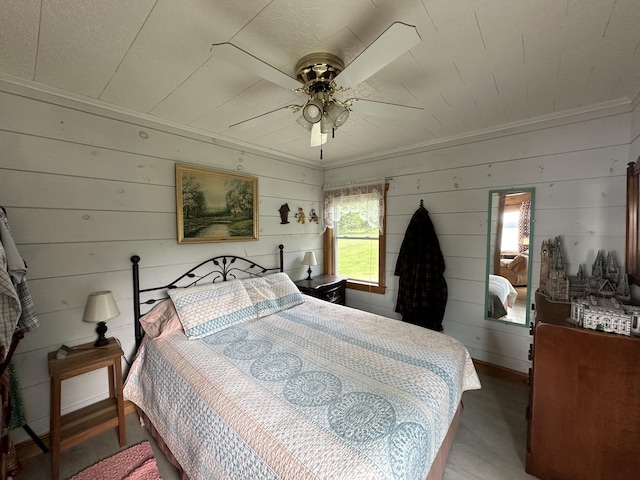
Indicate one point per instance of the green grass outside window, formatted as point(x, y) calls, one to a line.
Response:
point(357, 259)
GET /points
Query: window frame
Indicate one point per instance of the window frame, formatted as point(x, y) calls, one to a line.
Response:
point(329, 256)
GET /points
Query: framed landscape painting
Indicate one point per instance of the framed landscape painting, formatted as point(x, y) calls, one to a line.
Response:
point(215, 206)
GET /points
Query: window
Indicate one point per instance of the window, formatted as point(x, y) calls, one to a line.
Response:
point(356, 248)
point(515, 211)
point(510, 231)
point(354, 218)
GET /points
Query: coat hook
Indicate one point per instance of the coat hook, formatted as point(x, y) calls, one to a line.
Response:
point(421, 203)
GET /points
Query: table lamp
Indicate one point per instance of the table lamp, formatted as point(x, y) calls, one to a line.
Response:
point(309, 259)
point(101, 306)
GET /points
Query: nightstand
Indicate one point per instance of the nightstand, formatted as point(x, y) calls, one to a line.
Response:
point(89, 421)
point(325, 287)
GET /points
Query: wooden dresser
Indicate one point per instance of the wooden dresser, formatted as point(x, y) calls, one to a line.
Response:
point(325, 287)
point(584, 405)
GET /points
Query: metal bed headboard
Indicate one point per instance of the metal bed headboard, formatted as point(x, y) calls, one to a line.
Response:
point(215, 269)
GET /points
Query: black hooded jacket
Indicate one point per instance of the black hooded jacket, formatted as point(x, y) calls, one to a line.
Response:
point(422, 293)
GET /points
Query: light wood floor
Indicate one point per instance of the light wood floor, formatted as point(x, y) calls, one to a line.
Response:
point(490, 443)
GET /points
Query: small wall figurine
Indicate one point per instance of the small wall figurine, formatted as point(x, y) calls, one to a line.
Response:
point(284, 213)
point(300, 215)
point(313, 217)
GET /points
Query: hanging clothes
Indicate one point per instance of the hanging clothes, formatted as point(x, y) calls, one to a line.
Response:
point(17, 315)
point(422, 293)
point(10, 308)
point(13, 286)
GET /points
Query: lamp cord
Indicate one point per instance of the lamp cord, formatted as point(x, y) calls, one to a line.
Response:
point(123, 355)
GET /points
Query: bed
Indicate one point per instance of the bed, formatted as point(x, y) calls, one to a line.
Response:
point(248, 378)
point(502, 295)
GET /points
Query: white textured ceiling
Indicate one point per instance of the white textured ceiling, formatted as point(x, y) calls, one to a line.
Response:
point(479, 65)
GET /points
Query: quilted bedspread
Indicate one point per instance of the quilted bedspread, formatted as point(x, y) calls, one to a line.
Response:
point(314, 391)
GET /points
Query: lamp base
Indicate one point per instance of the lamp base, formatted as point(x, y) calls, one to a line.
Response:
point(101, 329)
point(309, 274)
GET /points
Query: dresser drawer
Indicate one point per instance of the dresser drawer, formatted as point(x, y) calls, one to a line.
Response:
point(329, 288)
point(333, 295)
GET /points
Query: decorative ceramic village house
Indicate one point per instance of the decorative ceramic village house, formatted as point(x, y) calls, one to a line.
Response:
point(598, 302)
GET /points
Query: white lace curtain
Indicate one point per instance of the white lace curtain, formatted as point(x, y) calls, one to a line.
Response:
point(367, 199)
point(524, 222)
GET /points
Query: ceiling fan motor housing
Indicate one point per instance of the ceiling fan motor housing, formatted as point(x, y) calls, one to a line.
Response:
point(317, 71)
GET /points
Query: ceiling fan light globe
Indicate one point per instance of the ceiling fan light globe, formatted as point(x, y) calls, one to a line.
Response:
point(341, 118)
point(303, 121)
point(312, 111)
point(338, 114)
point(326, 125)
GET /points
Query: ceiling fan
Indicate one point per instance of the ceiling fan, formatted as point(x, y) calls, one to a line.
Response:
point(321, 75)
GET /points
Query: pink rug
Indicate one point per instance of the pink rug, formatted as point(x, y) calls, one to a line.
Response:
point(134, 463)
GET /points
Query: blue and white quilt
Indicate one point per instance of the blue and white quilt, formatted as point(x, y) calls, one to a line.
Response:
point(313, 391)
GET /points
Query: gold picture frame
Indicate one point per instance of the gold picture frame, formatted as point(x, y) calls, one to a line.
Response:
point(215, 206)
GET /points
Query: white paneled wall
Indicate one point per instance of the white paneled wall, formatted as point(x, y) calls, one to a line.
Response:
point(578, 170)
point(85, 191)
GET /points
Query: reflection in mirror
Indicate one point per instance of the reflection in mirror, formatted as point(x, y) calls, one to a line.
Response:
point(633, 223)
point(509, 232)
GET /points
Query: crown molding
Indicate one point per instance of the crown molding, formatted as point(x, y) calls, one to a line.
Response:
point(37, 91)
point(62, 98)
point(600, 110)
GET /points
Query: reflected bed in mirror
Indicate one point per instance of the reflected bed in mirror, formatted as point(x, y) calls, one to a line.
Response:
point(509, 232)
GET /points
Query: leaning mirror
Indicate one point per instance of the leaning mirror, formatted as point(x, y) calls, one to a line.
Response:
point(633, 223)
point(509, 232)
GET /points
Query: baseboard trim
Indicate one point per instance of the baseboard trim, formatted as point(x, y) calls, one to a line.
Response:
point(29, 448)
point(502, 373)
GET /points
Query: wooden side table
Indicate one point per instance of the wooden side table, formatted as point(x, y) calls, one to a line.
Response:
point(89, 421)
point(330, 288)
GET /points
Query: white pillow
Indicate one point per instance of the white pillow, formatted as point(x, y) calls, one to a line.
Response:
point(207, 309)
point(272, 293)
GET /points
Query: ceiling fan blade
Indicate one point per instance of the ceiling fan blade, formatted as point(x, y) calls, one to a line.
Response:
point(382, 109)
point(294, 108)
point(317, 137)
point(394, 41)
point(248, 62)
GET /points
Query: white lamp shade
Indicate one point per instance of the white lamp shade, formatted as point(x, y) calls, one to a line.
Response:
point(101, 306)
point(309, 259)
